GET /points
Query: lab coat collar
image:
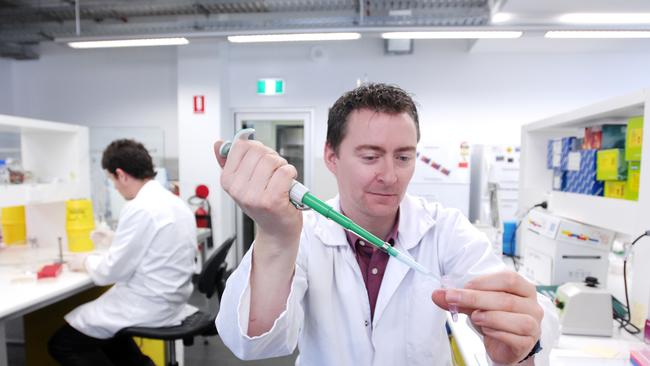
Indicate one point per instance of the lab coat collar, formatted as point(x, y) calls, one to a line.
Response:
point(414, 221)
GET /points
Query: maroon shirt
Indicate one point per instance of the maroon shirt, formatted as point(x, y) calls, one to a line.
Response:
point(372, 262)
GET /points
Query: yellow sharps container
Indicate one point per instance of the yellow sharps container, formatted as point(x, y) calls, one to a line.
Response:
point(79, 223)
point(13, 225)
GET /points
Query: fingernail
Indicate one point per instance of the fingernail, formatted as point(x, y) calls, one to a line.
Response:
point(478, 316)
point(452, 296)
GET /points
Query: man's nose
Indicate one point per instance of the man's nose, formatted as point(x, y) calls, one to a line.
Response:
point(387, 174)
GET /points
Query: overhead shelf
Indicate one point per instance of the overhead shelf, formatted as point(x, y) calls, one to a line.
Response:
point(51, 152)
point(626, 217)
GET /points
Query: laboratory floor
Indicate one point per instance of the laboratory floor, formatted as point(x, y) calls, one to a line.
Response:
point(215, 352)
point(199, 354)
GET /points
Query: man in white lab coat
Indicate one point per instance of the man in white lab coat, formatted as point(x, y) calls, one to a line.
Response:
point(307, 282)
point(150, 263)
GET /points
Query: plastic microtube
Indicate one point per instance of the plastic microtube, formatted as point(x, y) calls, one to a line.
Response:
point(453, 309)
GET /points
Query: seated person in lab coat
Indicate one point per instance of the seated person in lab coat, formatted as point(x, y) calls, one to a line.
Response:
point(150, 263)
point(309, 283)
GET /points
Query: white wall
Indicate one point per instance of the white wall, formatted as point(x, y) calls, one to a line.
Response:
point(480, 97)
point(118, 87)
point(202, 70)
point(6, 87)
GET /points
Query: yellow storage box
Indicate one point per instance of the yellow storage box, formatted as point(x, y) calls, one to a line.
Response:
point(79, 223)
point(611, 165)
point(615, 189)
point(633, 177)
point(12, 219)
point(634, 139)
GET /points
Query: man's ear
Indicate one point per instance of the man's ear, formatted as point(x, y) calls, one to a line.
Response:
point(120, 174)
point(331, 158)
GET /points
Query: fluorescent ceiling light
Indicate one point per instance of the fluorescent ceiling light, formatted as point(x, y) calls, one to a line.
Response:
point(452, 35)
point(501, 17)
point(605, 18)
point(129, 43)
point(295, 37)
point(597, 34)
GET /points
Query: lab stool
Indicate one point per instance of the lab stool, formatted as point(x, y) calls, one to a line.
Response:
point(211, 280)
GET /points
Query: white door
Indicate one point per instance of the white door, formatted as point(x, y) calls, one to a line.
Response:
point(288, 133)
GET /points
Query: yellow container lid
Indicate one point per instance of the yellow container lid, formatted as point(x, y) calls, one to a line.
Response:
point(13, 214)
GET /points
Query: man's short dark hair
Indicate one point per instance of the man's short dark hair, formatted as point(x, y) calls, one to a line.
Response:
point(130, 156)
point(376, 97)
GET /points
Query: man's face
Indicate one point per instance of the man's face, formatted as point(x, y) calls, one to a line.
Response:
point(375, 162)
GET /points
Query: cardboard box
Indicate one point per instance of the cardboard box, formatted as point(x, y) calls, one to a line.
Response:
point(557, 151)
point(613, 136)
point(584, 181)
point(559, 180)
point(634, 139)
point(593, 138)
point(550, 155)
point(568, 145)
point(615, 188)
point(633, 177)
point(611, 165)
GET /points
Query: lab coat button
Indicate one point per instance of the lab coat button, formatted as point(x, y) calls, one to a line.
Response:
point(374, 271)
point(365, 323)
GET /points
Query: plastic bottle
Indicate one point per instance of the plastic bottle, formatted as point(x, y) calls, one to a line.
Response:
point(4, 172)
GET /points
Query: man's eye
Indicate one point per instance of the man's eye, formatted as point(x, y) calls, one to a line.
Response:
point(404, 158)
point(369, 157)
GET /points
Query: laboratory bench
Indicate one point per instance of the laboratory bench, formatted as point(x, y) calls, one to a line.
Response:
point(24, 295)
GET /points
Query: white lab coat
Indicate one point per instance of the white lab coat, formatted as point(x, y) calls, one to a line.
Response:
point(150, 262)
point(327, 310)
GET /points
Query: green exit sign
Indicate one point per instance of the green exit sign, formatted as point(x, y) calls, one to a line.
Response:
point(270, 87)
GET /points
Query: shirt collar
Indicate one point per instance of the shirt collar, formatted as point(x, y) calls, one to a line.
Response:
point(390, 238)
point(416, 218)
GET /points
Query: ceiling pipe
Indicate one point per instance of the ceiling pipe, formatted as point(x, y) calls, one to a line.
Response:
point(77, 17)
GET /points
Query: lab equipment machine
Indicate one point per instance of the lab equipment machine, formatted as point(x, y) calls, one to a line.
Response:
point(558, 250)
point(584, 308)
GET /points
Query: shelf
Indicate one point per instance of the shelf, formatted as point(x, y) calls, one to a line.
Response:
point(31, 194)
point(622, 216)
point(608, 213)
point(30, 125)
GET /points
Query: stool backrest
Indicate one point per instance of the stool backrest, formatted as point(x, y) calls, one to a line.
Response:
point(215, 271)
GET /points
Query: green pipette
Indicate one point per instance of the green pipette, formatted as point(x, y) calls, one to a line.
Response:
point(300, 196)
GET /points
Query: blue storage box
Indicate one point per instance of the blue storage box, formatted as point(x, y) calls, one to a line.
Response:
point(557, 151)
point(584, 180)
point(559, 180)
point(569, 144)
point(549, 154)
